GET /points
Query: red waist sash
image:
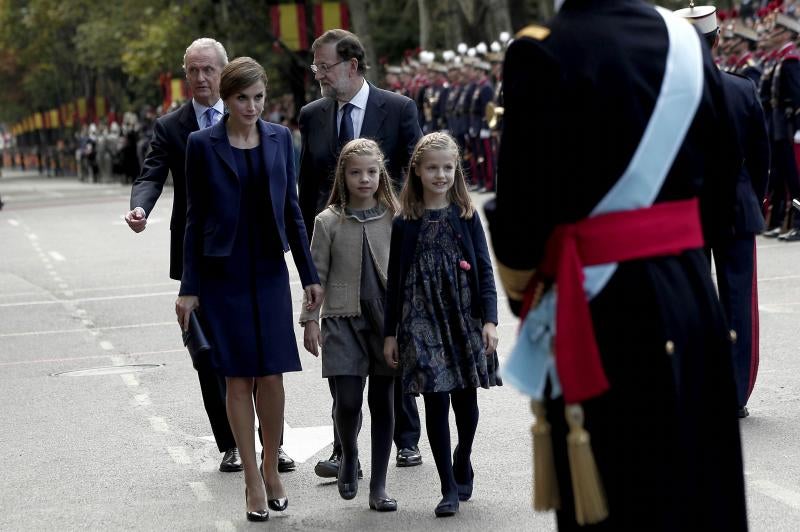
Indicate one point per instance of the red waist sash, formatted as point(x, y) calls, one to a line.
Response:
point(664, 229)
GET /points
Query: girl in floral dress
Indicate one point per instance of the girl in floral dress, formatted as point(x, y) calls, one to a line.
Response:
point(441, 308)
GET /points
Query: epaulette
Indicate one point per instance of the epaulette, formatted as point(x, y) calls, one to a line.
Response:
point(793, 56)
point(535, 32)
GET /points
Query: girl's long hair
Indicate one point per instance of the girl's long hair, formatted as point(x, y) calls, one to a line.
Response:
point(411, 199)
point(340, 195)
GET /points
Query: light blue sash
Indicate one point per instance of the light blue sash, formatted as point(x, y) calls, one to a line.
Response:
point(531, 360)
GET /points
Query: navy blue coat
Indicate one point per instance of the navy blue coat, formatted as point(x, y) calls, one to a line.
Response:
point(751, 132)
point(167, 155)
point(472, 240)
point(213, 196)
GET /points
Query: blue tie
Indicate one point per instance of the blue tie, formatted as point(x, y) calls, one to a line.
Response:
point(209, 117)
point(346, 126)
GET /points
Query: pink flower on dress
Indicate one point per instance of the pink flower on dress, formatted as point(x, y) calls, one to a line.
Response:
point(464, 265)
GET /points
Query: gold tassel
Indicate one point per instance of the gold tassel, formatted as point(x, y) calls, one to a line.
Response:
point(590, 499)
point(545, 482)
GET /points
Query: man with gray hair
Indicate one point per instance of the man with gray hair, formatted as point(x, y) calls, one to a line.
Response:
point(203, 63)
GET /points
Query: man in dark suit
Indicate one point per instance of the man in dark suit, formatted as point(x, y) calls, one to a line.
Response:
point(203, 63)
point(658, 390)
point(735, 256)
point(352, 108)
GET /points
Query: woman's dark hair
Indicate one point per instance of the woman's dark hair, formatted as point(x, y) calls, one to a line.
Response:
point(239, 74)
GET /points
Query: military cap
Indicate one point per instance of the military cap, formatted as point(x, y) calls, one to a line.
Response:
point(704, 18)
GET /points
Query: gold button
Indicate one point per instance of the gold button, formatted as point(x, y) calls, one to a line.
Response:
point(669, 347)
point(733, 336)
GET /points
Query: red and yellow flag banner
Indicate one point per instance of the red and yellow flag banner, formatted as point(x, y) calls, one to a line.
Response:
point(289, 25)
point(330, 15)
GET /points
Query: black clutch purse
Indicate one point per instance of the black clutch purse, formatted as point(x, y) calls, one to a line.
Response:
point(196, 341)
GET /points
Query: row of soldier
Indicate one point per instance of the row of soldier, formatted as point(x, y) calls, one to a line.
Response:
point(461, 96)
point(764, 50)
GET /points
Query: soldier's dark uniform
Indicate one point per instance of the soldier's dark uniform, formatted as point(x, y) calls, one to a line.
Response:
point(480, 135)
point(463, 112)
point(784, 92)
point(735, 257)
point(665, 436)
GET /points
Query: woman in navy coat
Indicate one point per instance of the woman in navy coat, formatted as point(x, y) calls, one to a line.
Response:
point(242, 216)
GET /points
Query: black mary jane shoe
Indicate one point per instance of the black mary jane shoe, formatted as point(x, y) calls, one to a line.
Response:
point(465, 488)
point(446, 508)
point(348, 487)
point(257, 515)
point(382, 504)
point(280, 504)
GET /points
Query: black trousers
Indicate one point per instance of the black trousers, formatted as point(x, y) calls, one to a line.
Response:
point(213, 389)
point(406, 418)
point(784, 184)
point(735, 262)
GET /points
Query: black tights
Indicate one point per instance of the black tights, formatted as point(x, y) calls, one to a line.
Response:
point(380, 397)
point(437, 415)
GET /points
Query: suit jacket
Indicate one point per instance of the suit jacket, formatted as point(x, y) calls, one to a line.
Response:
point(472, 241)
point(390, 119)
point(751, 132)
point(167, 154)
point(213, 197)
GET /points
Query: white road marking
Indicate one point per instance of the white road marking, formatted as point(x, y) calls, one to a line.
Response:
point(68, 293)
point(130, 379)
point(779, 493)
point(93, 357)
point(179, 455)
point(13, 222)
point(142, 399)
point(32, 236)
point(303, 443)
point(108, 346)
point(201, 491)
point(56, 256)
point(224, 526)
point(49, 266)
point(87, 299)
point(89, 323)
point(117, 360)
point(95, 289)
point(61, 285)
point(158, 424)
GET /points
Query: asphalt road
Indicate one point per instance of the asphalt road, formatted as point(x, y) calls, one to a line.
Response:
point(127, 445)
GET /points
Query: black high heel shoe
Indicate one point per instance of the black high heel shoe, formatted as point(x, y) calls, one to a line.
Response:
point(465, 488)
point(258, 515)
point(280, 504)
point(348, 487)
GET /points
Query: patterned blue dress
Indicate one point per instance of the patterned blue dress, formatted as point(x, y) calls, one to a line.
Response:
point(440, 342)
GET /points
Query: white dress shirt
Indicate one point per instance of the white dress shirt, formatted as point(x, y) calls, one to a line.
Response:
point(199, 109)
point(359, 102)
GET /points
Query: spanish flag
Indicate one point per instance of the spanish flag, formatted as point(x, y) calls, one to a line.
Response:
point(330, 15)
point(83, 113)
point(289, 25)
point(177, 90)
point(99, 107)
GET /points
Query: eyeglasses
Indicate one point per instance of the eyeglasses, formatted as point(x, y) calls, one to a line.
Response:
point(323, 68)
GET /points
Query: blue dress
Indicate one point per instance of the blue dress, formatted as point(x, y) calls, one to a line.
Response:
point(245, 298)
point(440, 342)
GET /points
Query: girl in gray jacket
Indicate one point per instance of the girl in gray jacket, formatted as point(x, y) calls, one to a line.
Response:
point(350, 248)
